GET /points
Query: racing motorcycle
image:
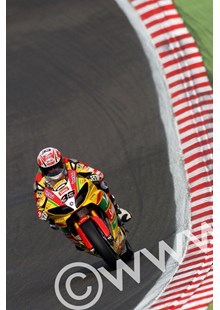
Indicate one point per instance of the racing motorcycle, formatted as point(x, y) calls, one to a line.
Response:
point(76, 204)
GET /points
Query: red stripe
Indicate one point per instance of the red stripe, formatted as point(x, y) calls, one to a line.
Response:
point(167, 29)
point(189, 270)
point(201, 175)
point(201, 186)
point(193, 97)
point(200, 306)
point(201, 196)
point(197, 216)
point(193, 106)
point(179, 59)
point(209, 237)
point(142, 5)
point(198, 232)
point(183, 69)
point(188, 79)
point(197, 144)
point(171, 40)
point(199, 224)
point(184, 284)
point(161, 20)
point(198, 256)
point(189, 88)
point(196, 262)
point(197, 155)
point(156, 11)
point(196, 134)
point(199, 165)
point(195, 125)
point(204, 291)
point(193, 116)
point(202, 248)
point(177, 49)
point(181, 291)
point(202, 206)
point(189, 277)
point(179, 299)
point(193, 300)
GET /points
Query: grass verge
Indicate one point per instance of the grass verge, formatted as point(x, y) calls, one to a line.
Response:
point(198, 17)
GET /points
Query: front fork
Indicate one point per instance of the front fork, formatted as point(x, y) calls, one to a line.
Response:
point(99, 222)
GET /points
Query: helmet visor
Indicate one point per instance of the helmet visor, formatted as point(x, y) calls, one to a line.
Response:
point(54, 171)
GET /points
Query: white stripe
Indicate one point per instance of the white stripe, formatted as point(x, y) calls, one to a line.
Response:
point(203, 136)
point(175, 32)
point(169, 304)
point(206, 169)
point(201, 211)
point(185, 292)
point(190, 92)
point(182, 64)
point(193, 272)
point(184, 281)
point(137, 2)
point(201, 148)
point(194, 261)
point(178, 54)
point(190, 142)
point(185, 74)
point(197, 161)
point(194, 265)
point(199, 202)
point(207, 178)
point(164, 24)
point(147, 8)
point(191, 304)
point(192, 103)
point(197, 152)
point(159, 16)
point(186, 84)
point(200, 220)
point(195, 120)
point(197, 130)
point(172, 45)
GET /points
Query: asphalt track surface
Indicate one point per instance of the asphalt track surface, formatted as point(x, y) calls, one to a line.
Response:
point(77, 79)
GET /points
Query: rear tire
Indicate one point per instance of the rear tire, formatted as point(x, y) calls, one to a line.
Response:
point(101, 245)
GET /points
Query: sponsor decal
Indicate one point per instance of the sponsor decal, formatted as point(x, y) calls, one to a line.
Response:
point(111, 211)
point(72, 177)
point(49, 194)
point(59, 185)
point(63, 191)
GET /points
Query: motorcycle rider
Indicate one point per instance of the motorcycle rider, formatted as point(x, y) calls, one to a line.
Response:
point(53, 167)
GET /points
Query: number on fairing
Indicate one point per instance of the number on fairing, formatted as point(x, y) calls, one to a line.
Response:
point(67, 196)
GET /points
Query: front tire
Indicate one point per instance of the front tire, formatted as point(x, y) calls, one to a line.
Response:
point(101, 245)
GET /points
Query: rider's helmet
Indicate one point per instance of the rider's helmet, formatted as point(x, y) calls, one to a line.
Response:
point(50, 163)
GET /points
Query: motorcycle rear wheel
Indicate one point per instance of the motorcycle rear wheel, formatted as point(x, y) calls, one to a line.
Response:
point(102, 247)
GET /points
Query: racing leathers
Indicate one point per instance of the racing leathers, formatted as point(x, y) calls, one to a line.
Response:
point(82, 169)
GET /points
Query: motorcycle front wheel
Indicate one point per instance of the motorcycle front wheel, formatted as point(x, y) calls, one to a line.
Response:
point(102, 247)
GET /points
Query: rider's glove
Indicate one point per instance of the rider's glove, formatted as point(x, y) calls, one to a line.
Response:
point(43, 216)
point(94, 178)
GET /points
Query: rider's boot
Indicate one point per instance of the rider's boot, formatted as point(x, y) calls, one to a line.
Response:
point(123, 215)
point(53, 225)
